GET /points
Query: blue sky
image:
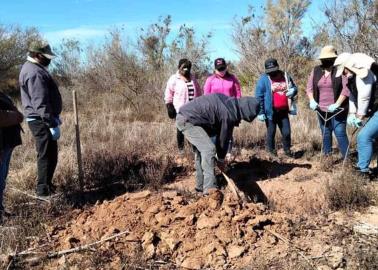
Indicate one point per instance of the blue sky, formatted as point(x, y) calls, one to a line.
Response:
point(90, 20)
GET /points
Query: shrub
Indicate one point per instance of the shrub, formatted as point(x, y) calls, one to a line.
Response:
point(348, 191)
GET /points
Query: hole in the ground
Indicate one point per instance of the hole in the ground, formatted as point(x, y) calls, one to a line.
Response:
point(247, 174)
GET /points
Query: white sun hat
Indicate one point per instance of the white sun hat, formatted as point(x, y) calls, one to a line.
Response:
point(359, 65)
point(363, 60)
point(340, 61)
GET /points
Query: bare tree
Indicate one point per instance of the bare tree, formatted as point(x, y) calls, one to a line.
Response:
point(276, 34)
point(352, 25)
point(14, 43)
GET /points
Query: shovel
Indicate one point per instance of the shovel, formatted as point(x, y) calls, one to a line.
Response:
point(238, 194)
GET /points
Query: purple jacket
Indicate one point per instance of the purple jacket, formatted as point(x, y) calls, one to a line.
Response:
point(176, 91)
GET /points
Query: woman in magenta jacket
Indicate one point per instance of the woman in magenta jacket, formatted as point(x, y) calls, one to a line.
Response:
point(223, 82)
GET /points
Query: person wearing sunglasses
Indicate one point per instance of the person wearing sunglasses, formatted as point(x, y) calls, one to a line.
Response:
point(223, 82)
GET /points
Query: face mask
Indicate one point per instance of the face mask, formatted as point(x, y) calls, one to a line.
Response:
point(185, 71)
point(274, 73)
point(44, 61)
point(327, 63)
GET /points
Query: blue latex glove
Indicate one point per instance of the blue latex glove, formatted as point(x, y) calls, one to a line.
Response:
point(333, 107)
point(55, 133)
point(357, 122)
point(350, 120)
point(290, 92)
point(261, 117)
point(313, 105)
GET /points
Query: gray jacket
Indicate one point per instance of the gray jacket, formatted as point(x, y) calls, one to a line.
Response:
point(40, 95)
point(218, 114)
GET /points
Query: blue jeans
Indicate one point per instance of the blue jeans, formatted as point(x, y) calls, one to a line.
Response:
point(280, 119)
point(338, 125)
point(365, 142)
point(4, 168)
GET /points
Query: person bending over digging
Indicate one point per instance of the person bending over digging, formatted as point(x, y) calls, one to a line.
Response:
point(209, 116)
point(362, 73)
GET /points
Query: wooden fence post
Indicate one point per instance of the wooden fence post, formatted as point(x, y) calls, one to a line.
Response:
point(78, 144)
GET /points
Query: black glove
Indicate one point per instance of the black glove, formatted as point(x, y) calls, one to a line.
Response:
point(171, 110)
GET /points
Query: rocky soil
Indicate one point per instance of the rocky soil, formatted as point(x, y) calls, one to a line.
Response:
point(287, 225)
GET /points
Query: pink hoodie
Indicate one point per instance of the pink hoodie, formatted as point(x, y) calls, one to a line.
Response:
point(176, 91)
point(228, 85)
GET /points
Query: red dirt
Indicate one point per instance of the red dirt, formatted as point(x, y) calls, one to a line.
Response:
point(189, 231)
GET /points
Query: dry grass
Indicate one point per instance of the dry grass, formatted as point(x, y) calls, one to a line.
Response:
point(120, 154)
point(347, 191)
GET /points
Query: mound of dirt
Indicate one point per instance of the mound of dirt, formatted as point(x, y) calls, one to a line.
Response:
point(183, 230)
point(213, 231)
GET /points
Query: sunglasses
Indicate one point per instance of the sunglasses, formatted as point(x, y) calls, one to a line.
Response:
point(221, 69)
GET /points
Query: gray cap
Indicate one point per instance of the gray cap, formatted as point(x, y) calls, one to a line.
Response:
point(42, 48)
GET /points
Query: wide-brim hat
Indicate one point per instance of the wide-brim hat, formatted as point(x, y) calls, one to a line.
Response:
point(340, 61)
point(356, 68)
point(362, 60)
point(42, 48)
point(328, 52)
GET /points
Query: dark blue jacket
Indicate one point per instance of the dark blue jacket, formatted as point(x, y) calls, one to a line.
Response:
point(218, 114)
point(40, 96)
point(263, 93)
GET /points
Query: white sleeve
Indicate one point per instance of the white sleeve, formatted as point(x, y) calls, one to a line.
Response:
point(364, 87)
point(352, 107)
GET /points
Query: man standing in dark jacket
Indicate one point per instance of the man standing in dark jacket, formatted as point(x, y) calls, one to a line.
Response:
point(42, 105)
point(208, 116)
point(10, 137)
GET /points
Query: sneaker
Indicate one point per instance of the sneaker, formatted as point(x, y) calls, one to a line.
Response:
point(365, 175)
point(289, 154)
point(198, 190)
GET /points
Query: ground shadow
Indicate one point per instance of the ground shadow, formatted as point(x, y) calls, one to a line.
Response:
point(135, 177)
point(247, 174)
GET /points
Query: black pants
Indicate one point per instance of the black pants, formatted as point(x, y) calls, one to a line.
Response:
point(180, 140)
point(280, 118)
point(47, 150)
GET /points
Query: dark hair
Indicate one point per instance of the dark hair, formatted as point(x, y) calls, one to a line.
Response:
point(184, 61)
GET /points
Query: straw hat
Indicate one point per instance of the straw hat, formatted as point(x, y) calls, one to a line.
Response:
point(340, 61)
point(328, 52)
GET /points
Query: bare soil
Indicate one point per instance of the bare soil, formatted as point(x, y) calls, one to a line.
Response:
point(286, 226)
